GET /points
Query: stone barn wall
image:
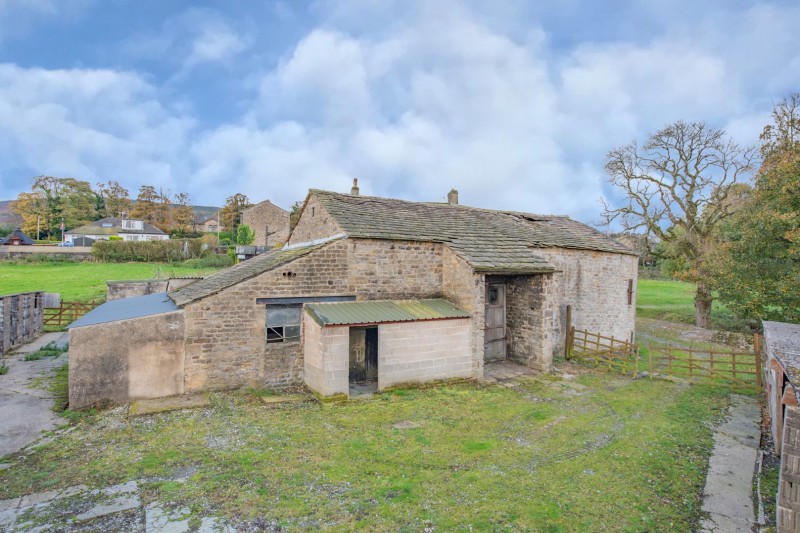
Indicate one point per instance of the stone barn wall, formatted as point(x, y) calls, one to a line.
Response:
point(466, 289)
point(264, 217)
point(126, 360)
point(595, 284)
point(530, 313)
point(226, 333)
point(315, 223)
point(395, 270)
point(21, 317)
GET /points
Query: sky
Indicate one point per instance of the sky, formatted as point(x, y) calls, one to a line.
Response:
point(514, 103)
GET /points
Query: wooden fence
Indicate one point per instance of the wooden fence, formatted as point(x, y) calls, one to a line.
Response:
point(738, 370)
point(603, 352)
point(57, 318)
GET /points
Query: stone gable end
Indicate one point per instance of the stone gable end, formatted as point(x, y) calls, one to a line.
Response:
point(269, 222)
point(315, 223)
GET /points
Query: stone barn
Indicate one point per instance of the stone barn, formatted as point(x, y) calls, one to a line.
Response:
point(782, 380)
point(378, 292)
point(269, 222)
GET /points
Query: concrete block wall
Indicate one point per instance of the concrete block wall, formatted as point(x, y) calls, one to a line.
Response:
point(127, 360)
point(326, 358)
point(21, 319)
point(313, 351)
point(595, 284)
point(416, 352)
point(788, 519)
point(264, 217)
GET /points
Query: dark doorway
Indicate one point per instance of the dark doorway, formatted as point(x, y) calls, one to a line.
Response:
point(371, 354)
point(494, 336)
point(363, 354)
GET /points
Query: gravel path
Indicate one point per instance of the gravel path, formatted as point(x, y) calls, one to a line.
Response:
point(26, 410)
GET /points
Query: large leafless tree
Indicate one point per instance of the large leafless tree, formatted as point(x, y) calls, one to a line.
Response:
point(676, 186)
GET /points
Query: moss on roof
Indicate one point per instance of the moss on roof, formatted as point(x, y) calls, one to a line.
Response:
point(490, 241)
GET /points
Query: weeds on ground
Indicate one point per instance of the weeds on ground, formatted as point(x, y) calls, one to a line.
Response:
point(620, 455)
point(50, 350)
point(3, 368)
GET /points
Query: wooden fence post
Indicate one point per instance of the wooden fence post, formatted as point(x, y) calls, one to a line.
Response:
point(759, 362)
point(567, 346)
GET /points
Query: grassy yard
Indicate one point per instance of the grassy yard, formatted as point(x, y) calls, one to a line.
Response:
point(674, 301)
point(77, 281)
point(595, 453)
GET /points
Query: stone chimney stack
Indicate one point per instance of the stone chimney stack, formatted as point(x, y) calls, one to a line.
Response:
point(354, 190)
point(452, 197)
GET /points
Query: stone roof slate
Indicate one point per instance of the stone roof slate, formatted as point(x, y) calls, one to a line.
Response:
point(236, 274)
point(490, 241)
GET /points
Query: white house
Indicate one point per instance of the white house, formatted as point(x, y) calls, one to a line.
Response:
point(127, 229)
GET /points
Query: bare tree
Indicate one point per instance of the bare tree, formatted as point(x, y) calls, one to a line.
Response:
point(676, 187)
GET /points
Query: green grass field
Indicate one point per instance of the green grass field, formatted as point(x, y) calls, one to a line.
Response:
point(620, 455)
point(82, 281)
point(674, 301)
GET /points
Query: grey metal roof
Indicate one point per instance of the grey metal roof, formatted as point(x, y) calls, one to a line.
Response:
point(382, 311)
point(126, 309)
point(783, 342)
point(490, 241)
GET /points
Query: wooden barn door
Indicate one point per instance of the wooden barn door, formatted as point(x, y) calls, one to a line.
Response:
point(494, 340)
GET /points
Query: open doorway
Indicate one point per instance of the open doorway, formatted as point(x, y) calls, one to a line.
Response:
point(363, 360)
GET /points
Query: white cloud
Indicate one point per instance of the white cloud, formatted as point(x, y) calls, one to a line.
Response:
point(195, 37)
point(91, 124)
point(413, 99)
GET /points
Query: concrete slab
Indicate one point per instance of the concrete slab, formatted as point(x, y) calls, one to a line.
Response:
point(158, 520)
point(27, 410)
point(729, 484)
point(295, 398)
point(170, 403)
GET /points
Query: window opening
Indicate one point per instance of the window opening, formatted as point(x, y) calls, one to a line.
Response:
point(493, 295)
point(283, 323)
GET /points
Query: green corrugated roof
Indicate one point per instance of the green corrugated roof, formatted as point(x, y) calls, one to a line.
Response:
point(380, 311)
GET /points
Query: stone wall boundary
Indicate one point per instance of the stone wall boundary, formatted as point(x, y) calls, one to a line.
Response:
point(21, 319)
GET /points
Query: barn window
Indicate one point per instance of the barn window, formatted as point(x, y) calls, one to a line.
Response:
point(283, 323)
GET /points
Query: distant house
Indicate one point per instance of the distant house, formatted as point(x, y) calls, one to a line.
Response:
point(105, 228)
point(269, 222)
point(17, 238)
point(209, 224)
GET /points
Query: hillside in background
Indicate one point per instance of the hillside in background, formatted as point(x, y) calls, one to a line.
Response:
point(7, 218)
